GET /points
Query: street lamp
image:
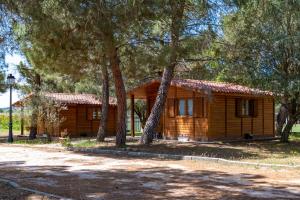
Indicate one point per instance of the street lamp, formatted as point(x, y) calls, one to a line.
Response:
point(10, 81)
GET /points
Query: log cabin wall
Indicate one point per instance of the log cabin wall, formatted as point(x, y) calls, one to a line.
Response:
point(192, 127)
point(222, 119)
point(225, 124)
point(77, 121)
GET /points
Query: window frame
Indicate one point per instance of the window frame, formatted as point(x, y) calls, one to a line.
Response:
point(250, 104)
point(186, 107)
point(90, 113)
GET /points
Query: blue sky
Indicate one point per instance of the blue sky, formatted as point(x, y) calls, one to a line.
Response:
point(12, 61)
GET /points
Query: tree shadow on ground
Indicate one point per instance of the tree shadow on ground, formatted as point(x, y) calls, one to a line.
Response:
point(271, 147)
point(226, 150)
point(107, 181)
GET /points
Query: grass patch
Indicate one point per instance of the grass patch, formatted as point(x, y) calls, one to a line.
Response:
point(296, 128)
point(137, 133)
point(32, 142)
point(4, 132)
point(85, 143)
point(295, 136)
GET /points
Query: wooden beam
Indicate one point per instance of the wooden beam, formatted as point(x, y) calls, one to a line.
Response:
point(263, 116)
point(273, 118)
point(76, 126)
point(241, 126)
point(225, 116)
point(22, 120)
point(132, 116)
point(251, 125)
point(194, 133)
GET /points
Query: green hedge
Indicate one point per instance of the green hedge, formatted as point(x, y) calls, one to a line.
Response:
point(4, 121)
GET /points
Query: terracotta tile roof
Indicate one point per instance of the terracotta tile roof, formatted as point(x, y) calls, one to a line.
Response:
point(70, 98)
point(213, 86)
point(218, 87)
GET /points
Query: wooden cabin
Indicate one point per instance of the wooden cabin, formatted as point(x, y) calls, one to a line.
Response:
point(79, 115)
point(205, 110)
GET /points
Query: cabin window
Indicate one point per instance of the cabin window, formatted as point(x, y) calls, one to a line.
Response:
point(246, 108)
point(190, 107)
point(181, 109)
point(94, 114)
point(185, 107)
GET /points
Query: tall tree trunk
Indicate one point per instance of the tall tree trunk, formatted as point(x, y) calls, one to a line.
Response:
point(105, 105)
point(121, 97)
point(287, 129)
point(154, 118)
point(33, 125)
point(35, 105)
point(281, 118)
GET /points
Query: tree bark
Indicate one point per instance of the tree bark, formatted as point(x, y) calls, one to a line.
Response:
point(287, 129)
point(121, 97)
point(105, 105)
point(154, 118)
point(33, 125)
point(35, 105)
point(281, 118)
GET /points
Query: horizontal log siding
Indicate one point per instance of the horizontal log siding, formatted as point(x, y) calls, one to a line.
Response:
point(76, 123)
point(237, 126)
point(183, 125)
point(258, 121)
point(233, 123)
point(68, 118)
point(83, 124)
point(216, 126)
point(112, 121)
point(268, 118)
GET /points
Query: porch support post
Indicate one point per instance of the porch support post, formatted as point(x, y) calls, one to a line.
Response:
point(132, 116)
point(22, 120)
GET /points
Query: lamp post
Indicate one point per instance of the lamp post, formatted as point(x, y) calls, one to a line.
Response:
point(10, 81)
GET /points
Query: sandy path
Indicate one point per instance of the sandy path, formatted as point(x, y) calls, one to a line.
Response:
point(90, 176)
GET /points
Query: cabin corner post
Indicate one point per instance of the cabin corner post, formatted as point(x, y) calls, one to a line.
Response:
point(194, 131)
point(273, 117)
point(132, 125)
point(225, 121)
point(22, 120)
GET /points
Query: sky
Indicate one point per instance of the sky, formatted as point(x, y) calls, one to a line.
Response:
point(12, 61)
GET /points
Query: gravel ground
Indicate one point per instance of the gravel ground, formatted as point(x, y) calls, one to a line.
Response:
point(7, 192)
point(91, 176)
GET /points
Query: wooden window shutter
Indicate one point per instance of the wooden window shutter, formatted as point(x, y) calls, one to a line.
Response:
point(198, 107)
point(176, 106)
point(171, 107)
point(90, 114)
point(238, 107)
point(205, 107)
point(254, 108)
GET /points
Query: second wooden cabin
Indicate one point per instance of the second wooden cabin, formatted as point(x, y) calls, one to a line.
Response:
point(79, 114)
point(205, 110)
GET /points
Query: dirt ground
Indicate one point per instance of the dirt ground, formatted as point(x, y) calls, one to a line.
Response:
point(271, 152)
point(91, 176)
point(8, 192)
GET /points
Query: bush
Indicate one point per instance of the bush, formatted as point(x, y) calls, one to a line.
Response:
point(4, 121)
point(66, 142)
